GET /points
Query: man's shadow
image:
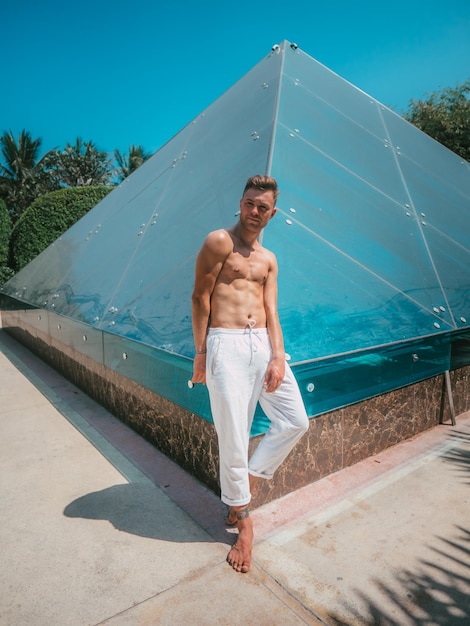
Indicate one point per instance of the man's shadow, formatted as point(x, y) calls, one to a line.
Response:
point(140, 509)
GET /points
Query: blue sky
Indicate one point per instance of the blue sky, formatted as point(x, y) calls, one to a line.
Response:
point(120, 72)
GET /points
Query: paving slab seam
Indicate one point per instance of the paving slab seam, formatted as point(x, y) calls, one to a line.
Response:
point(194, 576)
point(264, 578)
point(294, 603)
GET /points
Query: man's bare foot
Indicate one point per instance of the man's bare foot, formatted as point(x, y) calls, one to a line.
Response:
point(239, 556)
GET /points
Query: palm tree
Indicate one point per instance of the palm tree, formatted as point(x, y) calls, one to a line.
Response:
point(78, 165)
point(128, 163)
point(20, 171)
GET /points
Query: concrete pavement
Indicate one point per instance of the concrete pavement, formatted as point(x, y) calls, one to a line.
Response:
point(98, 527)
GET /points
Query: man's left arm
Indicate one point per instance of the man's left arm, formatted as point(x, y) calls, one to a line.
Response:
point(277, 366)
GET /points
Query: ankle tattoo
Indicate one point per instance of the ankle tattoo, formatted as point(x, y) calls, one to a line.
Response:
point(243, 513)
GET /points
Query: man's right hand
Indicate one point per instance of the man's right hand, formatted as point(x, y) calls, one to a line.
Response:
point(199, 369)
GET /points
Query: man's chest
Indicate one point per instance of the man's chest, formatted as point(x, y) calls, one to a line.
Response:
point(252, 267)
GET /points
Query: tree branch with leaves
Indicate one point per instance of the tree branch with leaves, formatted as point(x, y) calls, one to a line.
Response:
point(445, 116)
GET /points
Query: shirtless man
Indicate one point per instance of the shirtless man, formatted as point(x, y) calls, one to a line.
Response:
point(240, 356)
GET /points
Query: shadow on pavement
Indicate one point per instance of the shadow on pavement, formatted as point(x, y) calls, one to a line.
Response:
point(140, 509)
point(436, 594)
point(437, 590)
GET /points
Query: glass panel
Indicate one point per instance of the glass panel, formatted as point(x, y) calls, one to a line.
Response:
point(438, 203)
point(333, 383)
point(164, 373)
point(76, 335)
point(357, 219)
point(431, 156)
point(452, 263)
point(335, 136)
point(341, 307)
point(348, 285)
point(317, 80)
point(460, 350)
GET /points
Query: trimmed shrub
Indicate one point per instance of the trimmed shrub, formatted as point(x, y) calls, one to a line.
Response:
point(5, 233)
point(47, 218)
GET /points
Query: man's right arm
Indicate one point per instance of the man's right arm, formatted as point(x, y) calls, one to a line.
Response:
point(209, 262)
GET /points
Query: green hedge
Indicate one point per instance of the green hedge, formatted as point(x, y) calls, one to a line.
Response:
point(5, 233)
point(47, 218)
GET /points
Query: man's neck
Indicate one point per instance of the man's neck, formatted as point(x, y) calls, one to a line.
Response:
point(247, 237)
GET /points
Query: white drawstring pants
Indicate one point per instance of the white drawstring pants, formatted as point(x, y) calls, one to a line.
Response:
point(235, 370)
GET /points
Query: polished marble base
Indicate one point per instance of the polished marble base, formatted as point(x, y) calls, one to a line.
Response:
point(335, 440)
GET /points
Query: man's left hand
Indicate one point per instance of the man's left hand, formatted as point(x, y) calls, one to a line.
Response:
point(275, 374)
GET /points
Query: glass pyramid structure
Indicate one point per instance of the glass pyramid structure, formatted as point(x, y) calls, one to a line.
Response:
point(372, 237)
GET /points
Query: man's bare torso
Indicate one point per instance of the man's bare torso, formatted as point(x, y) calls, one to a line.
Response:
point(238, 295)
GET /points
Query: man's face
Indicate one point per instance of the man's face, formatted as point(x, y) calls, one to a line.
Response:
point(256, 208)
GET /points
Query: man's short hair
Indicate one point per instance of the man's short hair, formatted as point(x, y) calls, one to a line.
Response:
point(263, 183)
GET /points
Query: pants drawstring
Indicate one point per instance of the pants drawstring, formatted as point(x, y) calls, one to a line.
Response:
point(251, 324)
